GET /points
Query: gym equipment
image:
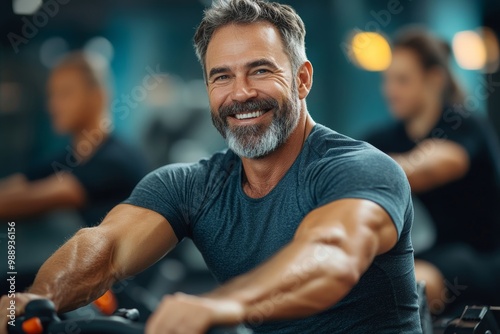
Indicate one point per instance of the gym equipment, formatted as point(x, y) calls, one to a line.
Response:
point(476, 320)
point(41, 318)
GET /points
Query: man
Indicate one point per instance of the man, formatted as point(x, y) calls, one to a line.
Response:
point(306, 230)
point(92, 175)
point(451, 158)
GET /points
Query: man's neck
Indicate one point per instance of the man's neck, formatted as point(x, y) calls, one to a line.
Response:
point(420, 126)
point(263, 174)
point(88, 138)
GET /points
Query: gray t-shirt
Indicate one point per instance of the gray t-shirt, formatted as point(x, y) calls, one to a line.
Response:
point(235, 233)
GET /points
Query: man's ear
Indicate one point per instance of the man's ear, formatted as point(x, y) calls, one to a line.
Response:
point(304, 79)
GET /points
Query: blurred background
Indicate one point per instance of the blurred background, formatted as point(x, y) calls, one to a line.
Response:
point(171, 122)
point(133, 35)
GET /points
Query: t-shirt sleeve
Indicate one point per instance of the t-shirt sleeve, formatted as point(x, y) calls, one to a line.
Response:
point(39, 170)
point(471, 134)
point(365, 174)
point(105, 177)
point(99, 177)
point(165, 192)
point(377, 139)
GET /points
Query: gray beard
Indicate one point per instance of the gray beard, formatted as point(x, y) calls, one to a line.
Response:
point(256, 141)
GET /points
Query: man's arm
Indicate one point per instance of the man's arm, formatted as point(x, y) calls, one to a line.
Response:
point(12, 181)
point(20, 198)
point(129, 240)
point(334, 245)
point(432, 163)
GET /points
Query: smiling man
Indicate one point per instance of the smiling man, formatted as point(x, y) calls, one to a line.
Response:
point(307, 230)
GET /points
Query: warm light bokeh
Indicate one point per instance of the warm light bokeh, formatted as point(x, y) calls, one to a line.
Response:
point(371, 51)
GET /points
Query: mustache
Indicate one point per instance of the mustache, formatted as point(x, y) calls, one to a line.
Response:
point(248, 106)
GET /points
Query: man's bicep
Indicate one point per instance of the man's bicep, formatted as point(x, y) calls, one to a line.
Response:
point(141, 238)
point(358, 225)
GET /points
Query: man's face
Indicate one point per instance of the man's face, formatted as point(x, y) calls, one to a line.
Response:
point(252, 91)
point(70, 100)
point(405, 84)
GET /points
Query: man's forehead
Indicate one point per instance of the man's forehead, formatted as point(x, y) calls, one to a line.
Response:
point(65, 73)
point(239, 43)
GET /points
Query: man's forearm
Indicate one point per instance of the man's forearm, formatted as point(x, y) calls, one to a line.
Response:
point(14, 205)
point(432, 163)
point(10, 189)
point(41, 196)
point(302, 279)
point(79, 272)
point(12, 182)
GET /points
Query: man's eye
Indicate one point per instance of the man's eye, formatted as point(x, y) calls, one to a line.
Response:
point(221, 77)
point(261, 71)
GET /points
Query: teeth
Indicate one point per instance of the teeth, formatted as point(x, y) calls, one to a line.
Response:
point(249, 115)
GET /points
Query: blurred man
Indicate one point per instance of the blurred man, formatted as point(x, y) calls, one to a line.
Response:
point(93, 174)
point(451, 160)
point(307, 230)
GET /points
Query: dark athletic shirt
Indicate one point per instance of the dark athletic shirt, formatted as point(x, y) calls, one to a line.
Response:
point(466, 210)
point(235, 233)
point(108, 177)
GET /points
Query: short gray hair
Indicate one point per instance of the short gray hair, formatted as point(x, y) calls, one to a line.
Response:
point(283, 17)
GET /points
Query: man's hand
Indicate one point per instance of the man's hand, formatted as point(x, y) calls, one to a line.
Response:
point(22, 299)
point(181, 313)
point(95, 258)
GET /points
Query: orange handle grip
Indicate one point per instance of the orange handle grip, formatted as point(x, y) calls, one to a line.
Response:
point(107, 303)
point(32, 326)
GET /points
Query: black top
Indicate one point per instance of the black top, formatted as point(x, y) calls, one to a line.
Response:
point(466, 210)
point(108, 177)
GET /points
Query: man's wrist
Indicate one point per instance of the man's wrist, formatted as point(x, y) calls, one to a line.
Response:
point(227, 307)
point(43, 293)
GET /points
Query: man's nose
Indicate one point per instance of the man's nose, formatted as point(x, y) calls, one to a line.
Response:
point(242, 90)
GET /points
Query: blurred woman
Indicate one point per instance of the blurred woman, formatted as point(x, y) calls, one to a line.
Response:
point(450, 156)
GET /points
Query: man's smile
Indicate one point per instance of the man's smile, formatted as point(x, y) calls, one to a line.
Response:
point(249, 116)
